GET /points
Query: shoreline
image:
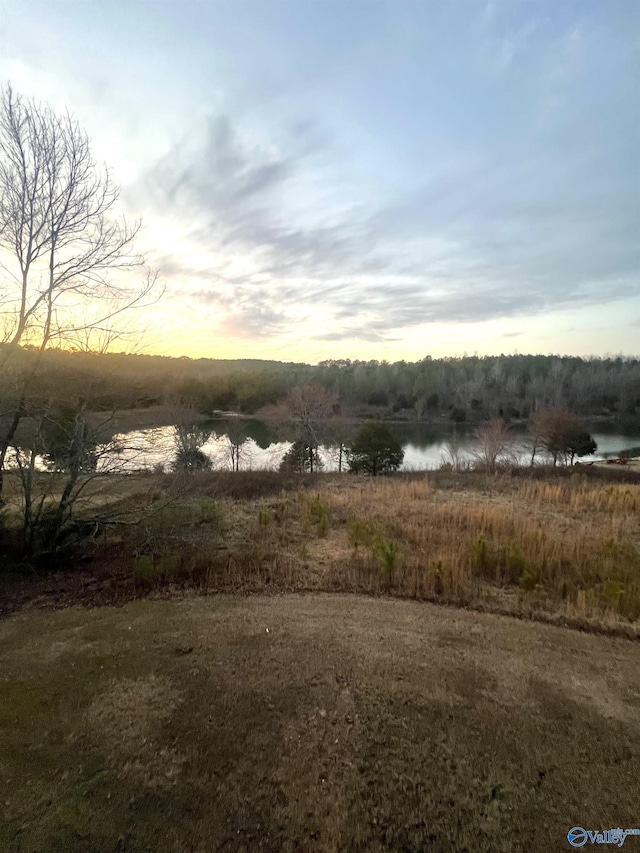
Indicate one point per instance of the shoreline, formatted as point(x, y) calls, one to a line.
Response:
point(163, 415)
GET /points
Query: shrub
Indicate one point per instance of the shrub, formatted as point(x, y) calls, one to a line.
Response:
point(190, 459)
point(361, 531)
point(301, 457)
point(387, 550)
point(319, 513)
point(529, 579)
point(375, 451)
point(481, 555)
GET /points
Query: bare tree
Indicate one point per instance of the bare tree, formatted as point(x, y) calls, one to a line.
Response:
point(70, 481)
point(453, 455)
point(60, 244)
point(340, 432)
point(307, 407)
point(234, 443)
point(493, 441)
point(190, 435)
point(63, 442)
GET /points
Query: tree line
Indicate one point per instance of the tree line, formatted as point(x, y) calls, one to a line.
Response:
point(468, 389)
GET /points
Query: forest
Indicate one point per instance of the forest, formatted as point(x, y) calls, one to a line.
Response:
point(462, 389)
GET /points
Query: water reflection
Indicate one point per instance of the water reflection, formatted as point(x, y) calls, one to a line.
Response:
point(251, 444)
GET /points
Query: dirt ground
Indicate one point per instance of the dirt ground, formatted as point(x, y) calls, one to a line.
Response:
point(310, 723)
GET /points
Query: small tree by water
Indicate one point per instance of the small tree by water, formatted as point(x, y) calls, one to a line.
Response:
point(375, 450)
point(561, 434)
point(301, 458)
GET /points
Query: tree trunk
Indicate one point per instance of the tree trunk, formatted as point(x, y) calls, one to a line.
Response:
point(5, 443)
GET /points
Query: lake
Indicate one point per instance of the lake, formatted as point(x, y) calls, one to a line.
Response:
point(262, 446)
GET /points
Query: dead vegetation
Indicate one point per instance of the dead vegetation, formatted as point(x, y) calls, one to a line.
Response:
point(327, 723)
point(563, 548)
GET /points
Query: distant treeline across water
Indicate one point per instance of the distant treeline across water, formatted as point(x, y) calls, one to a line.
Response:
point(466, 389)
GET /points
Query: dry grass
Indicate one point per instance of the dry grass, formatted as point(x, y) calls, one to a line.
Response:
point(569, 547)
point(566, 549)
point(332, 724)
point(554, 550)
point(563, 548)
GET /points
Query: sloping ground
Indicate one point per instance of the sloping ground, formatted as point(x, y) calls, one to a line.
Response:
point(311, 723)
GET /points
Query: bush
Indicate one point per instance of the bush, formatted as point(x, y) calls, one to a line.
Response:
point(361, 532)
point(387, 550)
point(190, 459)
point(318, 513)
point(300, 458)
point(375, 451)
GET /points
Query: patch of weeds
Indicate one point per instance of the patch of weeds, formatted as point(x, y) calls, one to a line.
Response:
point(315, 513)
point(323, 522)
point(209, 512)
point(265, 516)
point(438, 573)
point(481, 555)
point(361, 532)
point(163, 567)
point(612, 594)
point(585, 600)
point(143, 568)
point(516, 566)
point(504, 565)
point(529, 579)
point(536, 597)
point(629, 603)
point(387, 552)
point(624, 600)
point(168, 565)
point(319, 514)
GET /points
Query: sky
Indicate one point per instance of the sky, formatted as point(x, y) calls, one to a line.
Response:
point(357, 179)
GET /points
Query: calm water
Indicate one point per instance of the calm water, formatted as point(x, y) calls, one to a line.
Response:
point(262, 447)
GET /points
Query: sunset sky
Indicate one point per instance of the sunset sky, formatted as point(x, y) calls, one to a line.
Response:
point(362, 179)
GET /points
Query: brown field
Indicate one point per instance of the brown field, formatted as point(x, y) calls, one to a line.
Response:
point(310, 723)
point(555, 546)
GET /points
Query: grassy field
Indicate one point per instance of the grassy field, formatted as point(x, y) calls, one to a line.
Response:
point(310, 722)
point(554, 546)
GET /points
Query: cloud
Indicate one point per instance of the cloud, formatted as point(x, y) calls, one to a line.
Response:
point(252, 323)
point(357, 178)
point(487, 14)
point(279, 238)
point(359, 333)
point(238, 197)
point(221, 175)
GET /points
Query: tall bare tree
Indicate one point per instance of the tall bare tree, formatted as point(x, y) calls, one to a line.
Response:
point(63, 249)
point(308, 407)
